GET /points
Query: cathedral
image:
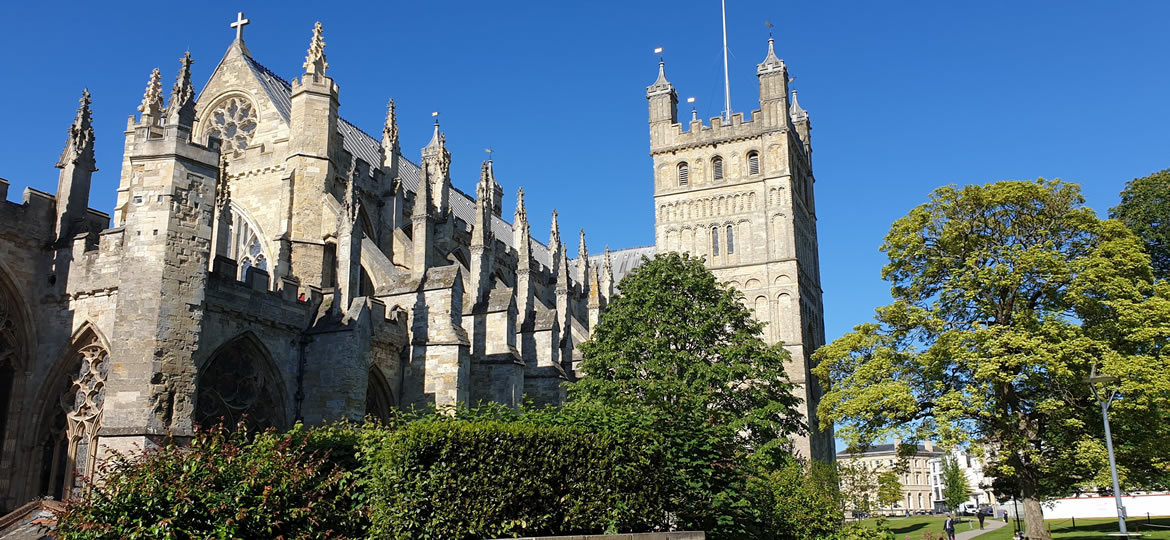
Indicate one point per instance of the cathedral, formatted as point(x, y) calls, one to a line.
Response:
point(267, 260)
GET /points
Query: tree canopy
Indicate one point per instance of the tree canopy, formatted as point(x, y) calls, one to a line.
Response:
point(682, 353)
point(1005, 295)
point(675, 338)
point(1145, 209)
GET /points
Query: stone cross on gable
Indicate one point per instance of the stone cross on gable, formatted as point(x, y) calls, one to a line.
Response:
point(239, 25)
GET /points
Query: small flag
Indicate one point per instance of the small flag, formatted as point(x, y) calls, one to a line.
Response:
point(436, 113)
point(658, 50)
point(690, 100)
point(768, 24)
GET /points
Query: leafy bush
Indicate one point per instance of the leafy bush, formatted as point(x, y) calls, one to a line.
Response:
point(223, 485)
point(798, 501)
point(487, 479)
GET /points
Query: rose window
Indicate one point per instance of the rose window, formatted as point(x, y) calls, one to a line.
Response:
point(233, 121)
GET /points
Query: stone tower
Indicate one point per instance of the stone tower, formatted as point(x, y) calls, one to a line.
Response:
point(740, 194)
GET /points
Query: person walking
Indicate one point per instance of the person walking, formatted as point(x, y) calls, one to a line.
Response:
point(949, 527)
point(982, 516)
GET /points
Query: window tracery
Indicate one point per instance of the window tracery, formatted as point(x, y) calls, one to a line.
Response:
point(233, 121)
point(246, 247)
point(235, 387)
point(70, 450)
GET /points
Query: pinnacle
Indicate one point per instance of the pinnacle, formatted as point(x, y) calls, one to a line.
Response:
point(661, 85)
point(796, 111)
point(771, 62)
point(152, 100)
point(390, 131)
point(315, 63)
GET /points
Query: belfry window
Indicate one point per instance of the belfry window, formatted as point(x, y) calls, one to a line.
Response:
point(717, 167)
point(715, 241)
point(730, 240)
point(753, 163)
point(684, 174)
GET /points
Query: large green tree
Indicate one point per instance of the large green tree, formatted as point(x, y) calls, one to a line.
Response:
point(1005, 295)
point(1145, 209)
point(676, 339)
point(681, 349)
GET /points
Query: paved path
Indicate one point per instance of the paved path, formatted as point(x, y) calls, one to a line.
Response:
point(963, 533)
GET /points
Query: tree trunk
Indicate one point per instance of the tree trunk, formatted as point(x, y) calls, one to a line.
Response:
point(1034, 519)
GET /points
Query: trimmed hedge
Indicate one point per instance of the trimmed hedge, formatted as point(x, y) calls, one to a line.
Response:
point(456, 480)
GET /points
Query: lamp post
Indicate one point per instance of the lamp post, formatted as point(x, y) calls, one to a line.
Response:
point(1093, 379)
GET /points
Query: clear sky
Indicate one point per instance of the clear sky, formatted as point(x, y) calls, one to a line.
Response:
point(903, 96)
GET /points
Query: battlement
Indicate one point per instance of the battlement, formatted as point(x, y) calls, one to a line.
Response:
point(96, 262)
point(698, 133)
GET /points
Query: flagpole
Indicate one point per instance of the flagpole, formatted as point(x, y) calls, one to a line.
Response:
point(726, 77)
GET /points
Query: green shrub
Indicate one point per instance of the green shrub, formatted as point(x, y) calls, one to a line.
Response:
point(798, 501)
point(487, 479)
point(223, 485)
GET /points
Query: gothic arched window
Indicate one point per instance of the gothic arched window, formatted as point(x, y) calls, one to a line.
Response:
point(246, 247)
point(239, 384)
point(70, 449)
point(717, 167)
point(379, 398)
point(730, 240)
point(232, 121)
point(753, 163)
point(684, 174)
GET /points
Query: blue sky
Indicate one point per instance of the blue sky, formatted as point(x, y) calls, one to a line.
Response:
point(904, 96)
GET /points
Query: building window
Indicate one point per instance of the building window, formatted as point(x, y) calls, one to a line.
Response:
point(753, 163)
point(684, 174)
point(730, 240)
point(717, 167)
point(715, 241)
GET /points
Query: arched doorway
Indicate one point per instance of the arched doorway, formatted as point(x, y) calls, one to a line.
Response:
point(73, 415)
point(379, 398)
point(240, 384)
point(15, 338)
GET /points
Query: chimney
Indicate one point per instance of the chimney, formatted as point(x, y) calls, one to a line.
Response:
point(928, 445)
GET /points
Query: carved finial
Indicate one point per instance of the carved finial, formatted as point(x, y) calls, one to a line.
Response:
point(554, 237)
point(606, 265)
point(152, 100)
point(444, 156)
point(352, 202)
point(315, 63)
point(79, 146)
point(181, 109)
point(390, 131)
point(223, 192)
point(581, 249)
point(521, 212)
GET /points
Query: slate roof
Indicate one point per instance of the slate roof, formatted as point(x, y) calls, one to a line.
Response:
point(367, 148)
point(881, 449)
point(623, 260)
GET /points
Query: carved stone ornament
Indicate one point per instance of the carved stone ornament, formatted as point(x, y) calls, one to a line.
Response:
point(83, 402)
point(233, 121)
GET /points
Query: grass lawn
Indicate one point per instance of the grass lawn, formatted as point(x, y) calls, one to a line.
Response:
point(1089, 528)
point(916, 525)
point(1086, 528)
